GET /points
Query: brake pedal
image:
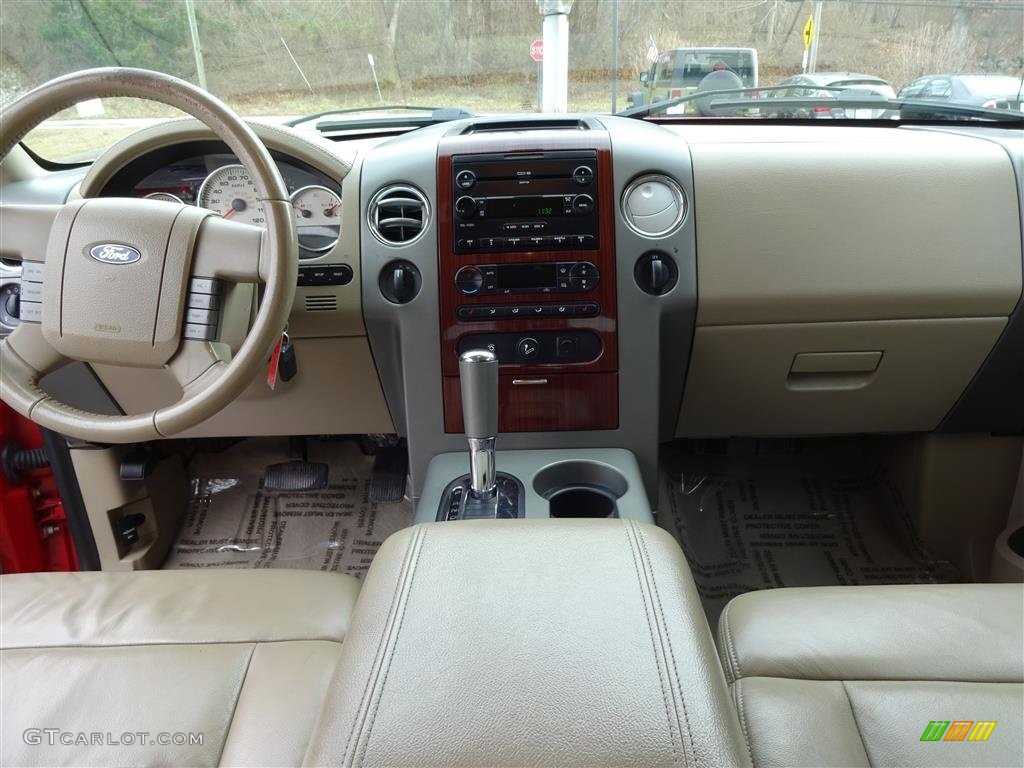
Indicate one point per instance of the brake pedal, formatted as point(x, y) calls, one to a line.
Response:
point(295, 476)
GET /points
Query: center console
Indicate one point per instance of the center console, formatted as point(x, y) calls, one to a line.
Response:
point(527, 271)
point(519, 642)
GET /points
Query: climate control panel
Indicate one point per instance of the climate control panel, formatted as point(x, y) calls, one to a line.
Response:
point(527, 277)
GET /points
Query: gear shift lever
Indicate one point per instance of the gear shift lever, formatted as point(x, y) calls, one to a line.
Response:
point(478, 376)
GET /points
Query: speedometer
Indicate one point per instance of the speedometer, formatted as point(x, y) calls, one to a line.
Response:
point(230, 192)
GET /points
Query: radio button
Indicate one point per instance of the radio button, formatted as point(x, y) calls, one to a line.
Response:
point(466, 242)
point(559, 241)
point(513, 242)
point(465, 179)
point(583, 204)
point(465, 207)
point(538, 242)
point(583, 175)
point(469, 280)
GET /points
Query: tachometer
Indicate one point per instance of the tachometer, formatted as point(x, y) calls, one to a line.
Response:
point(317, 217)
point(166, 197)
point(230, 192)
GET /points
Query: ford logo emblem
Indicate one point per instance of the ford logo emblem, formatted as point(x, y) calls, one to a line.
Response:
point(112, 253)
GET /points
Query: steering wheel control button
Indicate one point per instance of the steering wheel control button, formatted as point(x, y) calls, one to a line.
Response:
point(10, 305)
point(201, 316)
point(528, 348)
point(30, 312)
point(465, 179)
point(31, 291)
point(583, 175)
point(200, 332)
point(469, 280)
point(32, 271)
point(203, 301)
point(204, 285)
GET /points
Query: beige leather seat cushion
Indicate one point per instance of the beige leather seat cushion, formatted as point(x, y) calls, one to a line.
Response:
point(242, 657)
point(852, 676)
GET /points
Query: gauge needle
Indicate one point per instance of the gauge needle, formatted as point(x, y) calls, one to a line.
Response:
point(228, 213)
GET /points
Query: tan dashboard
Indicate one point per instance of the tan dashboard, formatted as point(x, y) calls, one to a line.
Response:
point(849, 279)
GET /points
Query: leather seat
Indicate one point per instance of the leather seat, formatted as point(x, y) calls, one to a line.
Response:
point(241, 657)
point(894, 675)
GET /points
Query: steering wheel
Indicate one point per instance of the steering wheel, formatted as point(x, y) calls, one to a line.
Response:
point(118, 275)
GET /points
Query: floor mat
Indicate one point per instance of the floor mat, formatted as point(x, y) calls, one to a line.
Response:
point(766, 522)
point(232, 522)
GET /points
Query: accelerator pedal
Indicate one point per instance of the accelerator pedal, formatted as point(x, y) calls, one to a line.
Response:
point(390, 468)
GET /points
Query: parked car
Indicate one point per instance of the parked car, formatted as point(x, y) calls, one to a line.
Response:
point(679, 71)
point(987, 91)
point(817, 85)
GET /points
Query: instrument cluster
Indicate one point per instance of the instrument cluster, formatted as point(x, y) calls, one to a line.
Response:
point(219, 183)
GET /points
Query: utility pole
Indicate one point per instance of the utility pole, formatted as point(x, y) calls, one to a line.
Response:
point(615, 56)
point(556, 54)
point(817, 36)
point(197, 51)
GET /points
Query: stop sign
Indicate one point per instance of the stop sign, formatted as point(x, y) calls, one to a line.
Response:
point(537, 50)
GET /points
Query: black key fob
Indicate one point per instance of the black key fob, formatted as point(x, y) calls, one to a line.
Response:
point(287, 366)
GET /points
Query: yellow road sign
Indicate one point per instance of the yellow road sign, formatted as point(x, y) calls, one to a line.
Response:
point(808, 32)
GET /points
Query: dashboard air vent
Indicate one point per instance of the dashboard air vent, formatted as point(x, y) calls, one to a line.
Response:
point(321, 303)
point(654, 205)
point(398, 214)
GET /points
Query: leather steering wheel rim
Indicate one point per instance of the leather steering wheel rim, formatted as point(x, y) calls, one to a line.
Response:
point(212, 382)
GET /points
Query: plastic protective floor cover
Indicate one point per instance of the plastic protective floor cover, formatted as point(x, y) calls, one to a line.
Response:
point(232, 522)
point(789, 521)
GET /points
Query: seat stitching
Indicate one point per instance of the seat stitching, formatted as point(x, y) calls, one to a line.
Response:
point(360, 716)
point(238, 697)
point(733, 665)
point(856, 725)
point(406, 592)
point(737, 697)
point(654, 644)
point(668, 636)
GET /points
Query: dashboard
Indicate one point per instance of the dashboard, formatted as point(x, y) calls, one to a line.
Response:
point(638, 281)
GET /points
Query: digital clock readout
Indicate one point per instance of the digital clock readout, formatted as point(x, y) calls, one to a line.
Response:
point(527, 206)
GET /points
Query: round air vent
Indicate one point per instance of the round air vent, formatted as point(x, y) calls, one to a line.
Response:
point(653, 205)
point(398, 214)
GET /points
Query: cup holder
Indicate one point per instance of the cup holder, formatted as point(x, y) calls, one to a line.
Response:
point(581, 489)
point(1008, 556)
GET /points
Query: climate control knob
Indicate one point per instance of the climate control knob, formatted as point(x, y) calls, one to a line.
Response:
point(469, 280)
point(465, 207)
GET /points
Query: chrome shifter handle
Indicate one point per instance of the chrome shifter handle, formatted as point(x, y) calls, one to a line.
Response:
point(478, 377)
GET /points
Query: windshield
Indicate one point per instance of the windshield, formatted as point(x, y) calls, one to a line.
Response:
point(282, 59)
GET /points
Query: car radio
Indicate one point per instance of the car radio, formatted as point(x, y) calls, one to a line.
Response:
point(541, 201)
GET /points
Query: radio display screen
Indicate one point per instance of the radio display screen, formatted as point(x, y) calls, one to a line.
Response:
point(527, 207)
point(519, 277)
